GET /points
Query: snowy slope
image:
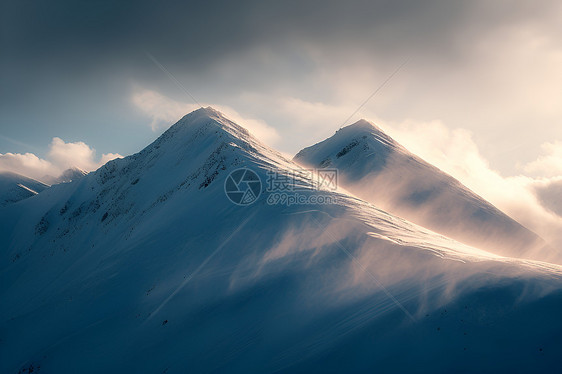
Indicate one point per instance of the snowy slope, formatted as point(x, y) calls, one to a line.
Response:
point(146, 266)
point(374, 167)
point(15, 187)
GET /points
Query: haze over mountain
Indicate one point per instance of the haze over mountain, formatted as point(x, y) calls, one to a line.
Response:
point(551, 196)
point(376, 168)
point(15, 187)
point(68, 175)
point(146, 266)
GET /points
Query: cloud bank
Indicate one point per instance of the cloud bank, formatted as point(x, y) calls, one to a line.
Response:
point(61, 156)
point(529, 200)
point(549, 164)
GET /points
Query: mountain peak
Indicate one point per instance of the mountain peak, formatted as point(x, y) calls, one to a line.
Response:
point(207, 122)
point(378, 169)
point(363, 124)
point(203, 112)
point(201, 147)
point(209, 128)
point(208, 115)
point(365, 130)
point(358, 139)
point(68, 175)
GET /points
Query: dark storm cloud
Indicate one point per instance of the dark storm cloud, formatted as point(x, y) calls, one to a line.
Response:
point(198, 34)
point(59, 59)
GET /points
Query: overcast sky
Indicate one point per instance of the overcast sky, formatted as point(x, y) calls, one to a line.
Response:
point(80, 71)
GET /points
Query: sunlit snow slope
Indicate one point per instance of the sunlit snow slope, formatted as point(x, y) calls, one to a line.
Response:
point(374, 167)
point(145, 266)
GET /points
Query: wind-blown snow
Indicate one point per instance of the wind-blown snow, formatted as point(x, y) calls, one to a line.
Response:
point(376, 168)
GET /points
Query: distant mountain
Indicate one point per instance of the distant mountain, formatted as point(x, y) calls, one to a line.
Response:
point(67, 176)
point(376, 168)
point(15, 187)
point(145, 265)
point(71, 174)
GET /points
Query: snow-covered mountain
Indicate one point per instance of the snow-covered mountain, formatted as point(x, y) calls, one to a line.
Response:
point(15, 187)
point(69, 175)
point(376, 168)
point(145, 265)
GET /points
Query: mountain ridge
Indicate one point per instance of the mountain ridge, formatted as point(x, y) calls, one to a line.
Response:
point(143, 266)
point(376, 168)
point(16, 187)
point(68, 175)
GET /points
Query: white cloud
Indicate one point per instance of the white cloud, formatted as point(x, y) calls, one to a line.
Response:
point(162, 110)
point(259, 128)
point(25, 163)
point(549, 164)
point(60, 157)
point(66, 155)
point(165, 111)
point(301, 122)
point(106, 157)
